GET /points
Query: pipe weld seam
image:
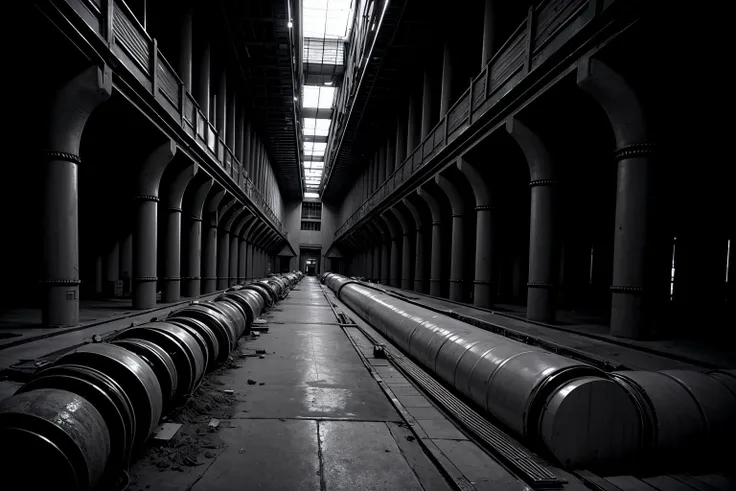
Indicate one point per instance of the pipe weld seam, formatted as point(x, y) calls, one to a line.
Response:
point(192, 277)
point(195, 219)
point(542, 182)
point(147, 197)
point(458, 215)
point(456, 281)
point(175, 210)
point(626, 289)
point(171, 278)
point(535, 284)
point(60, 281)
point(486, 207)
point(481, 282)
point(209, 277)
point(145, 278)
point(635, 150)
point(51, 155)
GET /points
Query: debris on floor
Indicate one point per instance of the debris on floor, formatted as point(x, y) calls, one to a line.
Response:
point(251, 381)
point(166, 432)
point(214, 423)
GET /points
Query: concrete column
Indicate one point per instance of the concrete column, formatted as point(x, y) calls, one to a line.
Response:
point(446, 97)
point(225, 217)
point(435, 268)
point(221, 109)
point(209, 241)
point(393, 266)
point(489, 31)
point(237, 248)
point(484, 287)
point(419, 280)
point(427, 106)
point(249, 261)
point(126, 262)
point(401, 145)
point(193, 280)
point(98, 275)
point(112, 265)
point(406, 229)
point(542, 230)
point(631, 241)
point(240, 135)
point(243, 248)
point(204, 81)
point(411, 126)
point(457, 255)
point(377, 246)
point(70, 108)
point(171, 288)
point(146, 226)
point(185, 45)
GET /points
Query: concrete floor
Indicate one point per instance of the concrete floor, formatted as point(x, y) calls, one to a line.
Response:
point(310, 416)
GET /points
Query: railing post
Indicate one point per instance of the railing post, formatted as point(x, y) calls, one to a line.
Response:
point(154, 69)
point(182, 105)
point(110, 22)
point(470, 102)
point(529, 39)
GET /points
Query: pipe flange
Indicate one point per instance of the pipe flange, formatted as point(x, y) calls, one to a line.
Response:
point(209, 277)
point(60, 282)
point(486, 208)
point(143, 279)
point(626, 289)
point(542, 182)
point(192, 278)
point(456, 281)
point(535, 284)
point(634, 151)
point(479, 282)
point(457, 215)
point(147, 197)
point(195, 219)
point(436, 223)
point(171, 278)
point(175, 210)
point(50, 155)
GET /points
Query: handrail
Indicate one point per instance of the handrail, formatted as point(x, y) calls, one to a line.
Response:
point(529, 27)
point(105, 28)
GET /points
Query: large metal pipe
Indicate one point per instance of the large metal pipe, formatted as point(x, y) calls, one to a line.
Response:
point(581, 415)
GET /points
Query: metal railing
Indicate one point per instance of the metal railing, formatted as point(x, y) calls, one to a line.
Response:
point(138, 52)
point(548, 26)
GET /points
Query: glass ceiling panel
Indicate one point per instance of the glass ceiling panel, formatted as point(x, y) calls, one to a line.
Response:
point(318, 97)
point(326, 18)
point(313, 165)
point(316, 127)
point(311, 195)
point(315, 149)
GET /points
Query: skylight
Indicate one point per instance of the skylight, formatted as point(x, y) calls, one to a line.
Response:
point(316, 127)
point(326, 18)
point(311, 195)
point(315, 149)
point(317, 96)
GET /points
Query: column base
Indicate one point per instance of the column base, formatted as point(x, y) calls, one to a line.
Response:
point(193, 286)
point(627, 312)
point(539, 302)
point(435, 287)
point(171, 291)
point(144, 293)
point(61, 306)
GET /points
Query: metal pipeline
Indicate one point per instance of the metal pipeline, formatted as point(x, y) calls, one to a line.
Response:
point(86, 415)
point(580, 415)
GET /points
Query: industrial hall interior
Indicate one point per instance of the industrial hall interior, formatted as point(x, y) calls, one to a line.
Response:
point(381, 245)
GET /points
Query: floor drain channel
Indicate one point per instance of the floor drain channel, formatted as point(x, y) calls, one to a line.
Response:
point(504, 447)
